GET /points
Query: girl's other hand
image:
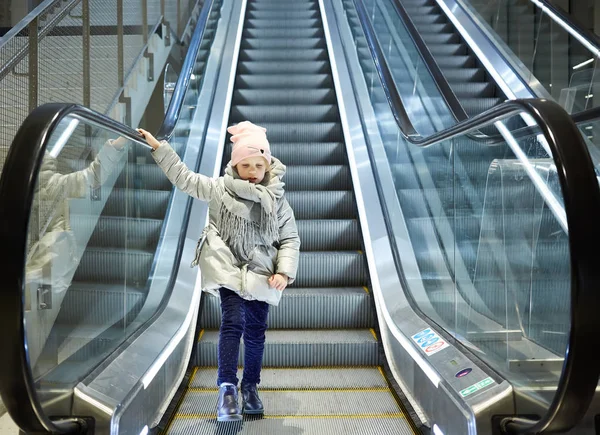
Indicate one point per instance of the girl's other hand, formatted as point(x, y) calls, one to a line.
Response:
point(278, 281)
point(149, 138)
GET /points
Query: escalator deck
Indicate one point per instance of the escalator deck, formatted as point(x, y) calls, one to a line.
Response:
point(321, 367)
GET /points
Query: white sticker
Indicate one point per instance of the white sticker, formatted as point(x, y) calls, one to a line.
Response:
point(429, 341)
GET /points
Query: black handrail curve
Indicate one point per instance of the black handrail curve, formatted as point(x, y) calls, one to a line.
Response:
point(17, 188)
point(581, 196)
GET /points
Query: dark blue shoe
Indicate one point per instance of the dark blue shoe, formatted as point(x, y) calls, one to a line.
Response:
point(252, 403)
point(227, 405)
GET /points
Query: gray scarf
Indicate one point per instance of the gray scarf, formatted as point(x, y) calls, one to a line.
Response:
point(248, 214)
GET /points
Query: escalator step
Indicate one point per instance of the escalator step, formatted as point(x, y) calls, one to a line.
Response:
point(475, 106)
point(150, 204)
point(440, 38)
point(112, 266)
point(331, 269)
point(426, 20)
point(293, 32)
point(465, 75)
point(275, 6)
point(296, 54)
point(349, 425)
point(278, 43)
point(284, 81)
point(418, 9)
point(303, 348)
point(322, 205)
point(272, 378)
point(281, 67)
point(321, 178)
point(439, 50)
point(314, 308)
point(329, 235)
point(143, 176)
point(118, 232)
point(283, 24)
point(285, 113)
point(283, 14)
point(284, 96)
point(304, 132)
point(309, 402)
point(100, 304)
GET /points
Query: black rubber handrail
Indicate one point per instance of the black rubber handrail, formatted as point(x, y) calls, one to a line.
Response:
point(581, 195)
point(17, 188)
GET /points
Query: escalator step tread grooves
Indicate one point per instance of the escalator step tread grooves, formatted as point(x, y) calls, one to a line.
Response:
point(324, 319)
point(453, 55)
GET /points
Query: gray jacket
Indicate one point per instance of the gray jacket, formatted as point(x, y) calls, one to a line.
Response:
point(219, 265)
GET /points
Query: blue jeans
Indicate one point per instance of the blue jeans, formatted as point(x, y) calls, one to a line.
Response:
point(239, 316)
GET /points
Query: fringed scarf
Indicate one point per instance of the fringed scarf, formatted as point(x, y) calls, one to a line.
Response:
point(248, 214)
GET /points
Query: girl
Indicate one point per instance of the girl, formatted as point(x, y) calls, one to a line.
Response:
point(248, 253)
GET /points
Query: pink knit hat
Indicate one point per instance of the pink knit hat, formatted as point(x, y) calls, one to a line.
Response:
point(249, 140)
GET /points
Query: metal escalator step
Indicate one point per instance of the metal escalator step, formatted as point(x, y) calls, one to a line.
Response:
point(275, 6)
point(100, 304)
point(324, 153)
point(272, 378)
point(314, 308)
point(425, 20)
point(473, 90)
point(448, 62)
point(322, 205)
point(281, 67)
point(304, 403)
point(329, 235)
point(199, 67)
point(109, 266)
point(465, 75)
point(285, 113)
point(295, 43)
point(440, 38)
point(272, 54)
point(137, 203)
point(331, 269)
point(143, 176)
point(474, 106)
point(304, 348)
point(284, 96)
point(447, 49)
point(304, 132)
point(436, 28)
point(270, 3)
point(418, 9)
point(282, 24)
point(414, 205)
point(118, 232)
point(283, 14)
point(294, 32)
point(523, 257)
point(284, 81)
point(323, 178)
point(352, 425)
